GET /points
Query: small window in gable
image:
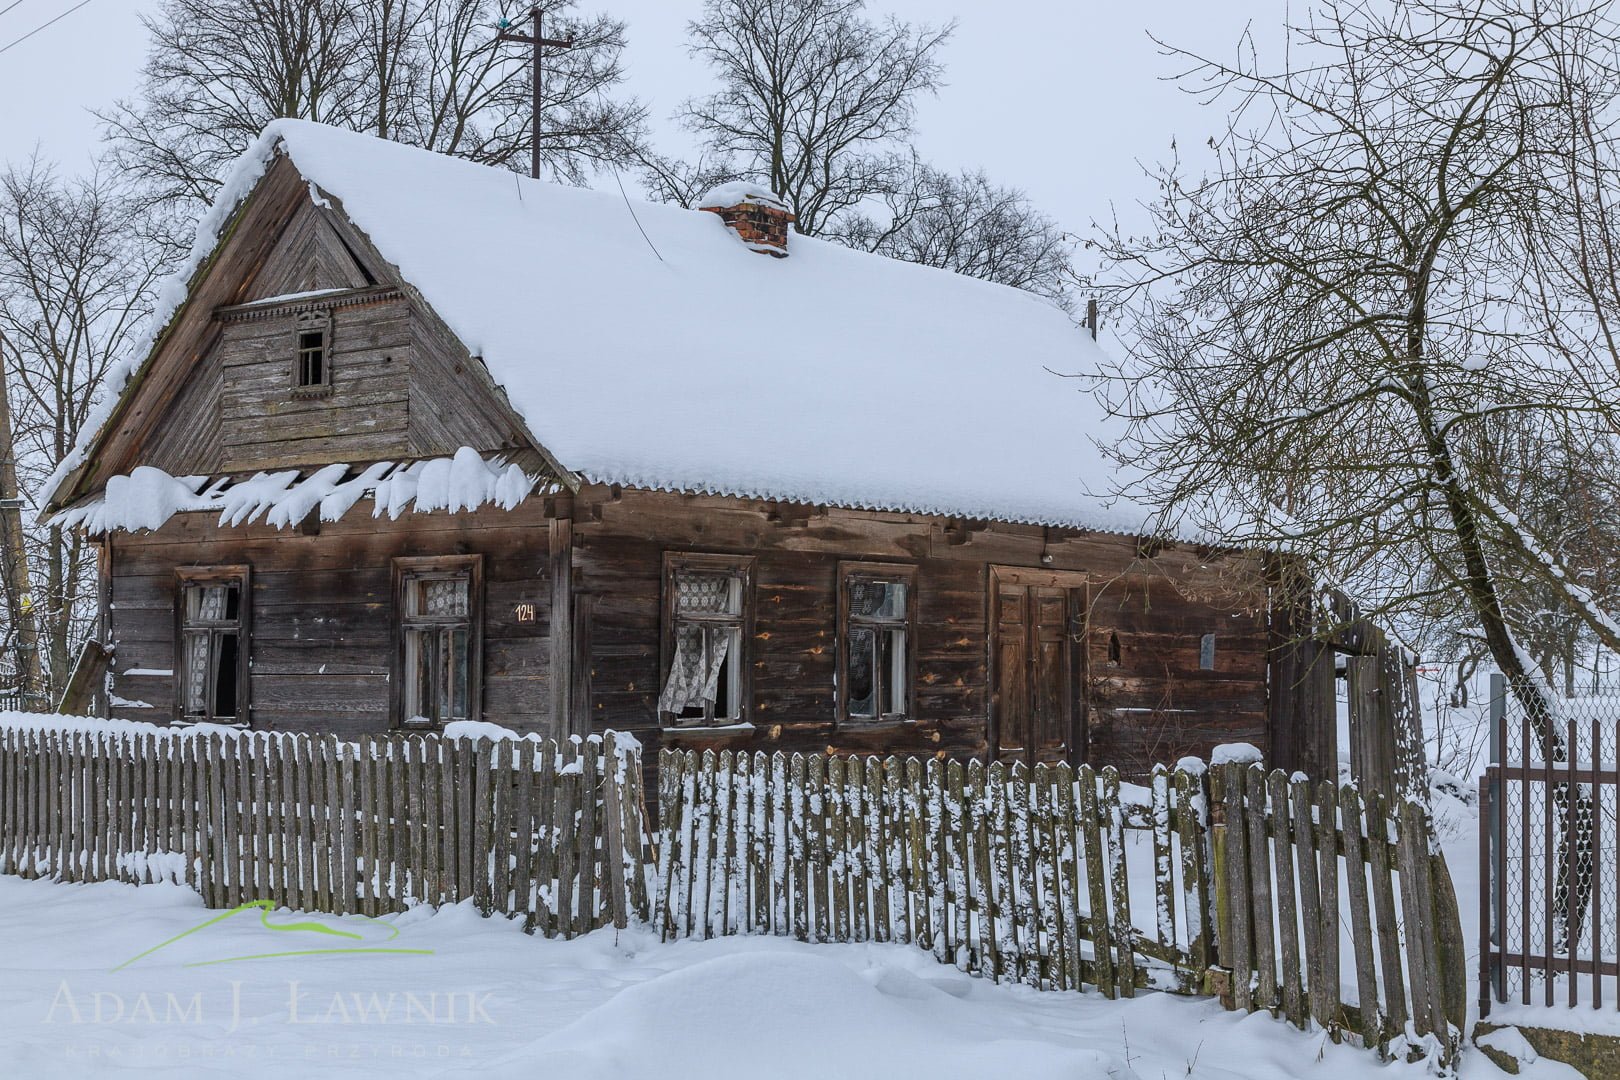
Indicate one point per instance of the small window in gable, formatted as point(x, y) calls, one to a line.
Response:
point(312, 354)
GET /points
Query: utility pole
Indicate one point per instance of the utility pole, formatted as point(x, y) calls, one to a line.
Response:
point(14, 555)
point(537, 41)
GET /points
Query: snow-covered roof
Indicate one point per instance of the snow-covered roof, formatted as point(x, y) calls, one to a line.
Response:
point(739, 193)
point(643, 346)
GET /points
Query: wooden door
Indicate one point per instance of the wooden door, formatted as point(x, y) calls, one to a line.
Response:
point(1034, 703)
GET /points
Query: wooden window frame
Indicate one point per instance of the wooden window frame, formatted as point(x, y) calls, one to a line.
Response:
point(241, 575)
point(310, 321)
point(904, 573)
point(741, 566)
point(407, 570)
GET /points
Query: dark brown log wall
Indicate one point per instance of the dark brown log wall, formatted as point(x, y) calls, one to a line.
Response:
point(1155, 704)
point(322, 613)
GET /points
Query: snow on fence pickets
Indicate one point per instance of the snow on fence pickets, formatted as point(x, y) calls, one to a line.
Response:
point(1007, 872)
point(545, 831)
point(1024, 875)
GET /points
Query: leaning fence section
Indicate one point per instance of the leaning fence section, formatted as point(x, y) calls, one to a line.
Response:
point(1550, 856)
point(547, 832)
point(1230, 881)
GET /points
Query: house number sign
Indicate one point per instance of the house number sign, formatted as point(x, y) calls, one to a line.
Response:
point(524, 613)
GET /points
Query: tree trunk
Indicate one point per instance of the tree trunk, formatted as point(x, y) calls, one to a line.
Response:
point(14, 557)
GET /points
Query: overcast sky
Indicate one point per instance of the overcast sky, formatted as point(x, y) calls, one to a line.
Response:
point(1060, 97)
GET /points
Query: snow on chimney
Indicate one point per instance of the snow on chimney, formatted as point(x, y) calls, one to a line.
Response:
point(759, 218)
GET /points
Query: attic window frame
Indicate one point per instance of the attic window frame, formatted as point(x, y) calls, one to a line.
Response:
point(307, 322)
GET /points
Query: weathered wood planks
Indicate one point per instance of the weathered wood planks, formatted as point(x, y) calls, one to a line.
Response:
point(312, 823)
point(1025, 874)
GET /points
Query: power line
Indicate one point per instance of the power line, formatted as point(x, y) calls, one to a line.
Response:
point(9, 6)
point(37, 29)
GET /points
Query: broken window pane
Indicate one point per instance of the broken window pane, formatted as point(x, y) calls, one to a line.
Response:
point(210, 641)
point(862, 672)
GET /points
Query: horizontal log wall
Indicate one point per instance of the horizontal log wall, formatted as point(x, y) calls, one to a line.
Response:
point(1155, 704)
point(323, 611)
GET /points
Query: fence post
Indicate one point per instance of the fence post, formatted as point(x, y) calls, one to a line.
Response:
point(1492, 967)
point(1221, 980)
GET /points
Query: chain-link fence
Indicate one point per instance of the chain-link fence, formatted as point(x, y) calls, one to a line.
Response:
point(1550, 854)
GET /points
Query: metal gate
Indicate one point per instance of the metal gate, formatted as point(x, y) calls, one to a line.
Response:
point(1549, 857)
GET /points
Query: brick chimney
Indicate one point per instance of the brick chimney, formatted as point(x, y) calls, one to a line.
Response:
point(759, 218)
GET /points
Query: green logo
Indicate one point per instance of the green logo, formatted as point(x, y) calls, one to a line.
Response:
point(369, 936)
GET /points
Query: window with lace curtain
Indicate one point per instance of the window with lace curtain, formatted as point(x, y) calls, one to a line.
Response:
point(706, 610)
point(213, 635)
point(439, 653)
point(876, 607)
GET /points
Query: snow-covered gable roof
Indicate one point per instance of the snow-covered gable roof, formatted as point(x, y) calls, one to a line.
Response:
point(643, 345)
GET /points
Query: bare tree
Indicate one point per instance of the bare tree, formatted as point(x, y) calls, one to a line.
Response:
point(21, 637)
point(815, 99)
point(425, 72)
point(1339, 324)
point(965, 223)
point(1331, 323)
point(79, 266)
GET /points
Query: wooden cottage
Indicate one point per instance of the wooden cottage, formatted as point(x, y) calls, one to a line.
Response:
point(421, 441)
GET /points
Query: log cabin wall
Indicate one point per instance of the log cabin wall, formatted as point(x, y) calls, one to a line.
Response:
point(1138, 667)
point(322, 611)
point(322, 614)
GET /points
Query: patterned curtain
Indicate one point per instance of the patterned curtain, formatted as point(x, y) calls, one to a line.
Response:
point(206, 603)
point(700, 653)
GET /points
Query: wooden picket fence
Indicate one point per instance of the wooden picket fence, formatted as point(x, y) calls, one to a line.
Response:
point(1046, 876)
point(551, 833)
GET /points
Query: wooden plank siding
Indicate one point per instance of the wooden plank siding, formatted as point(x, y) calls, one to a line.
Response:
point(322, 643)
point(1155, 704)
point(322, 609)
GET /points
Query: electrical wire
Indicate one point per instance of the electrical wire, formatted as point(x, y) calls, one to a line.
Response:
point(9, 6)
point(632, 210)
point(37, 29)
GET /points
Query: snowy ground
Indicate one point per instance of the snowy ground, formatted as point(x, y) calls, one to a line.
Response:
point(485, 998)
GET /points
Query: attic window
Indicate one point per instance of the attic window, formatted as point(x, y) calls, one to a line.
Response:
point(312, 366)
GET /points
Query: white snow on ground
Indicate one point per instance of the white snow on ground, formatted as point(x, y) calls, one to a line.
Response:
point(492, 1002)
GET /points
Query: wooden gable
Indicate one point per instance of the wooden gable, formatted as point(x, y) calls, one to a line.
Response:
point(311, 254)
point(217, 395)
